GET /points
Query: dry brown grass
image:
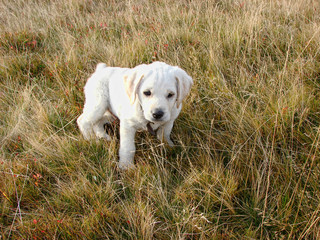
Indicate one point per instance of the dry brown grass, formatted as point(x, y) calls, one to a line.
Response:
point(246, 164)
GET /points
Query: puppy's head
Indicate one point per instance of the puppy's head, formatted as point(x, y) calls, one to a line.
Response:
point(159, 88)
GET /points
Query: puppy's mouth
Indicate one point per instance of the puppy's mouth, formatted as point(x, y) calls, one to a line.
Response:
point(153, 120)
point(150, 129)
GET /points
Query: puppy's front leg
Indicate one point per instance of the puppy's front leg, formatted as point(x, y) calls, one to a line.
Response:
point(164, 133)
point(127, 146)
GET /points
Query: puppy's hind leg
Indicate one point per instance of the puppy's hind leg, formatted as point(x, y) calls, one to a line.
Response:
point(85, 126)
point(99, 129)
point(91, 121)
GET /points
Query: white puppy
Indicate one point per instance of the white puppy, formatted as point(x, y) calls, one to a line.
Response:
point(145, 97)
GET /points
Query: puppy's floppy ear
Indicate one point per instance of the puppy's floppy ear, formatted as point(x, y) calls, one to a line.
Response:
point(131, 84)
point(184, 83)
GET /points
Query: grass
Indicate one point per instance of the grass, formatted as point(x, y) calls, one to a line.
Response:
point(246, 164)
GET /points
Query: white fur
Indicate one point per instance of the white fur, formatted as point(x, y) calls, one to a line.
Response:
point(123, 93)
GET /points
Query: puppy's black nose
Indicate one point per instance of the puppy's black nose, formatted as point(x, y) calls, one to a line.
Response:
point(158, 114)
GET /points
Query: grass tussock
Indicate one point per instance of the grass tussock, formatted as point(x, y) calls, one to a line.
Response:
point(246, 164)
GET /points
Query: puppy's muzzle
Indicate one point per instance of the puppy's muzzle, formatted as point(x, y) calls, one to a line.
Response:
point(157, 114)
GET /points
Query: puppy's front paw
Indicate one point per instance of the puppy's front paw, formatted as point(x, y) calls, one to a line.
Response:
point(169, 141)
point(123, 165)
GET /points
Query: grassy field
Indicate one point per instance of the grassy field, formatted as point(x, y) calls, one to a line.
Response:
point(246, 164)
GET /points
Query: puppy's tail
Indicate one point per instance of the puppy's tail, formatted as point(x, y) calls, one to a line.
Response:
point(101, 66)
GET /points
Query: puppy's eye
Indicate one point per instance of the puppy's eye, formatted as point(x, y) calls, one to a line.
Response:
point(170, 95)
point(147, 93)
